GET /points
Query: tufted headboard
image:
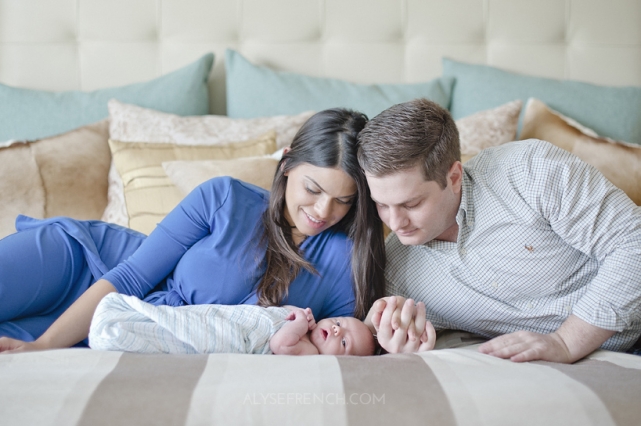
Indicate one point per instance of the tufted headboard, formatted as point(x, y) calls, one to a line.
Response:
point(91, 44)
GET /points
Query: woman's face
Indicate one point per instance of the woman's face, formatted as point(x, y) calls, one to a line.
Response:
point(316, 198)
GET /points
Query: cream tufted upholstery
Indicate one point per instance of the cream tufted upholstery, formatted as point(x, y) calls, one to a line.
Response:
point(90, 44)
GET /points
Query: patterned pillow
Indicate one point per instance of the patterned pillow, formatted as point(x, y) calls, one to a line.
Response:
point(488, 128)
point(130, 123)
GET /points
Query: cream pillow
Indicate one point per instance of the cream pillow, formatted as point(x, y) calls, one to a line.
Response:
point(488, 128)
point(620, 162)
point(149, 194)
point(64, 175)
point(130, 123)
point(187, 175)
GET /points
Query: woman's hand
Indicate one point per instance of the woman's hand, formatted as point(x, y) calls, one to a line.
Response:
point(10, 346)
point(70, 328)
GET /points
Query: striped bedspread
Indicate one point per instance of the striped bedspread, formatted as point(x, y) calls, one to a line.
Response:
point(443, 387)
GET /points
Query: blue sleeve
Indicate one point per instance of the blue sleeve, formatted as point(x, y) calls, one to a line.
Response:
point(158, 255)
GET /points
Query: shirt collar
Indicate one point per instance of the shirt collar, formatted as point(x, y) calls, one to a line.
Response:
point(465, 215)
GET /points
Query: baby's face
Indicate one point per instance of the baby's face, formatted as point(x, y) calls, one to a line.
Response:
point(342, 336)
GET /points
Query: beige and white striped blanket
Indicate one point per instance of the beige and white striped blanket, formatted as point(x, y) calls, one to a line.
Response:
point(442, 387)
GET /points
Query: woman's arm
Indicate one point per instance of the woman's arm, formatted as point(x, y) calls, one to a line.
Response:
point(189, 222)
point(70, 328)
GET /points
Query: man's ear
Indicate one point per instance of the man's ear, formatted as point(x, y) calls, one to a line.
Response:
point(455, 176)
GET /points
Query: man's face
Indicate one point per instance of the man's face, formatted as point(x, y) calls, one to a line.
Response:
point(417, 210)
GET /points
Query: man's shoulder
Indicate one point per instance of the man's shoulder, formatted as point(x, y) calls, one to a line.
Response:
point(511, 162)
point(511, 153)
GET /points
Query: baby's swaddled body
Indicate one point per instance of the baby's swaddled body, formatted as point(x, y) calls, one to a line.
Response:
point(126, 323)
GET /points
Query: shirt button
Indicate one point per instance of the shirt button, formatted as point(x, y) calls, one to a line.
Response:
point(530, 306)
point(495, 284)
point(463, 251)
point(568, 308)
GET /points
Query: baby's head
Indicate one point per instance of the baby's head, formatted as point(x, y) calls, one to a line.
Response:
point(342, 336)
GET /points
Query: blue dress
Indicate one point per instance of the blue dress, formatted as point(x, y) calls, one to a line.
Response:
point(207, 250)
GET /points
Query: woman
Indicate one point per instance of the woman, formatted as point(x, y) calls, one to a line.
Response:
point(227, 242)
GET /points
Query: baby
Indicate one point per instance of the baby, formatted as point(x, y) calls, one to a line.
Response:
point(126, 323)
point(330, 336)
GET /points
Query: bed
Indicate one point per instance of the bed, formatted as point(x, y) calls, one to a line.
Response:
point(134, 78)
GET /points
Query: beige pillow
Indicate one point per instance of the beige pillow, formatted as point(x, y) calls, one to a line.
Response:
point(65, 175)
point(187, 175)
point(149, 194)
point(130, 123)
point(488, 128)
point(620, 162)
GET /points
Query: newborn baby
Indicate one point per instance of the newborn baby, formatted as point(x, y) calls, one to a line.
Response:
point(126, 323)
point(331, 336)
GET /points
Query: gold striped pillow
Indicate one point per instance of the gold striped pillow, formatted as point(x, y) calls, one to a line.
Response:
point(149, 193)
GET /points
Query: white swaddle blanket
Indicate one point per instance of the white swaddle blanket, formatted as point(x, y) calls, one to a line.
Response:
point(126, 323)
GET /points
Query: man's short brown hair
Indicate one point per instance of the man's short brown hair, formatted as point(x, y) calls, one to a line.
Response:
point(407, 134)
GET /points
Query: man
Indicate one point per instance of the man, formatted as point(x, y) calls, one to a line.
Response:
point(526, 244)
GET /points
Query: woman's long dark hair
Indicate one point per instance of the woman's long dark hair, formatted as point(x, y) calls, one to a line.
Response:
point(327, 139)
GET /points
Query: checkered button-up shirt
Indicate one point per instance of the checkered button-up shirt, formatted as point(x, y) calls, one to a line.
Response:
point(542, 235)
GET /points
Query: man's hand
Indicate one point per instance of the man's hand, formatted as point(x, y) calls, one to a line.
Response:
point(428, 338)
point(401, 326)
point(571, 342)
point(527, 346)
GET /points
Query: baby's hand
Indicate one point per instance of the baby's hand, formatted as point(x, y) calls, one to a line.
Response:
point(311, 322)
point(301, 315)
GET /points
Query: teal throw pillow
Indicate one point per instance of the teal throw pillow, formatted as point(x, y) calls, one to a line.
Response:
point(613, 112)
point(256, 91)
point(27, 114)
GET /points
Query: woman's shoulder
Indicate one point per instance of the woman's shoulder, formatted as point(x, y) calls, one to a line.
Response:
point(229, 185)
